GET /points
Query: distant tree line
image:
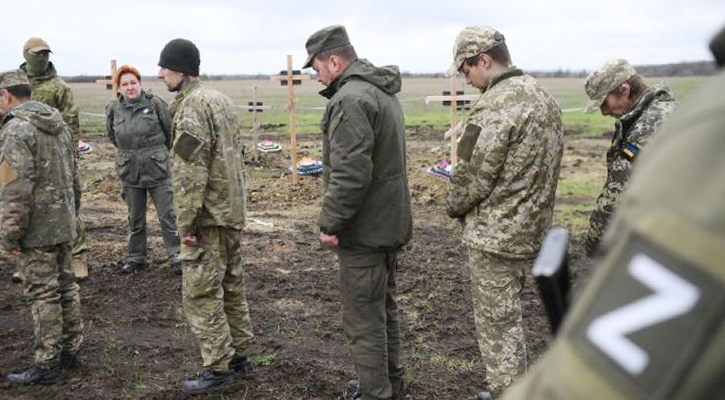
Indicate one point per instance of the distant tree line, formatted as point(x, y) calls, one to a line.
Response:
point(695, 68)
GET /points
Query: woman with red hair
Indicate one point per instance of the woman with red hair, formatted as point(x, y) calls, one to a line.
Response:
point(138, 123)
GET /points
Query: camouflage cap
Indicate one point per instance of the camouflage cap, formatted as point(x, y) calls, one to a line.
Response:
point(13, 77)
point(606, 78)
point(472, 41)
point(325, 39)
point(35, 44)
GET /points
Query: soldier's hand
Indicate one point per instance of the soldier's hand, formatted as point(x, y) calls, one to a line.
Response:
point(189, 240)
point(330, 241)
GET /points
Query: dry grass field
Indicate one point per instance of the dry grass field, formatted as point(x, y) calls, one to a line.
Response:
point(137, 343)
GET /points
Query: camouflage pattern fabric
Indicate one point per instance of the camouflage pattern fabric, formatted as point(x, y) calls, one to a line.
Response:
point(506, 190)
point(207, 160)
point(472, 41)
point(51, 291)
point(48, 88)
point(38, 178)
point(209, 200)
point(633, 129)
point(496, 285)
point(214, 298)
point(604, 80)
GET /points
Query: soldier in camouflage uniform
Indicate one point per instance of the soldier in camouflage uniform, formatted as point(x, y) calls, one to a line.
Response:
point(209, 200)
point(617, 90)
point(503, 192)
point(38, 202)
point(366, 212)
point(650, 324)
point(50, 89)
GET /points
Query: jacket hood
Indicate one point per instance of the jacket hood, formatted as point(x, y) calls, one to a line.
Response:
point(387, 78)
point(657, 93)
point(49, 73)
point(44, 118)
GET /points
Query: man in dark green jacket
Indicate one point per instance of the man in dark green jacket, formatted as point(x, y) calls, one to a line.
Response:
point(366, 216)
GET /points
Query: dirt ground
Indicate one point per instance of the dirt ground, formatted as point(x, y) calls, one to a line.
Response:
point(138, 345)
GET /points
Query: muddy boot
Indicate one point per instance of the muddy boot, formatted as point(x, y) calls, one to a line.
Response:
point(353, 391)
point(80, 265)
point(242, 366)
point(208, 381)
point(132, 266)
point(69, 360)
point(35, 374)
point(484, 396)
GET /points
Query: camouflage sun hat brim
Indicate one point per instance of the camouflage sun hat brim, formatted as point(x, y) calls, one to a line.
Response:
point(604, 80)
point(472, 41)
point(13, 77)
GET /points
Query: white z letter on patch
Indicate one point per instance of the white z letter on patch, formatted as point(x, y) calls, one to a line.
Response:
point(672, 297)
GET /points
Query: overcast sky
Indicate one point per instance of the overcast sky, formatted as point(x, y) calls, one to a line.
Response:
point(249, 37)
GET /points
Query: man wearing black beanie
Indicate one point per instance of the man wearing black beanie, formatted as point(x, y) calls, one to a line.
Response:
point(209, 200)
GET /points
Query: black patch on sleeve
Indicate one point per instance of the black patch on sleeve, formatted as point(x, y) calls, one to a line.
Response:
point(187, 146)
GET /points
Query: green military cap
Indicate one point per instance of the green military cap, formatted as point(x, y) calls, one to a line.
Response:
point(13, 77)
point(606, 78)
point(36, 44)
point(325, 39)
point(472, 41)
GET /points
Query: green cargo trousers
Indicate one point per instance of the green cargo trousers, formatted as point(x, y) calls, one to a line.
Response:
point(50, 288)
point(214, 298)
point(370, 320)
point(163, 198)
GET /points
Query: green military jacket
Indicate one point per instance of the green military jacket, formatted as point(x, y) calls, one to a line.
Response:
point(632, 132)
point(141, 131)
point(38, 178)
point(506, 180)
point(367, 201)
point(650, 323)
point(207, 160)
point(53, 91)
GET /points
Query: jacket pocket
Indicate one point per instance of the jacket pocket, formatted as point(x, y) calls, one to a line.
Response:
point(158, 167)
point(125, 169)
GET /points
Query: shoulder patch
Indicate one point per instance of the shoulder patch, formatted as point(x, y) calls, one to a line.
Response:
point(187, 145)
point(7, 173)
point(651, 318)
point(468, 141)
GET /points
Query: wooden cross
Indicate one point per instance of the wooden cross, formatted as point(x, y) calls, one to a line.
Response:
point(254, 107)
point(290, 78)
point(456, 99)
point(110, 81)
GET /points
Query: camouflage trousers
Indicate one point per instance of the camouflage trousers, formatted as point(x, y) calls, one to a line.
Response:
point(79, 243)
point(136, 200)
point(370, 320)
point(214, 297)
point(51, 290)
point(496, 286)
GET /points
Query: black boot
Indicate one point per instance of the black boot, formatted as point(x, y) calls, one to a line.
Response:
point(242, 366)
point(208, 381)
point(484, 396)
point(69, 360)
point(132, 266)
point(353, 391)
point(35, 374)
point(176, 267)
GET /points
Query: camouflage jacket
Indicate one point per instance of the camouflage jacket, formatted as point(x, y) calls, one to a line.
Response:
point(367, 201)
point(649, 323)
point(506, 180)
point(38, 179)
point(632, 132)
point(206, 161)
point(53, 91)
point(141, 130)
